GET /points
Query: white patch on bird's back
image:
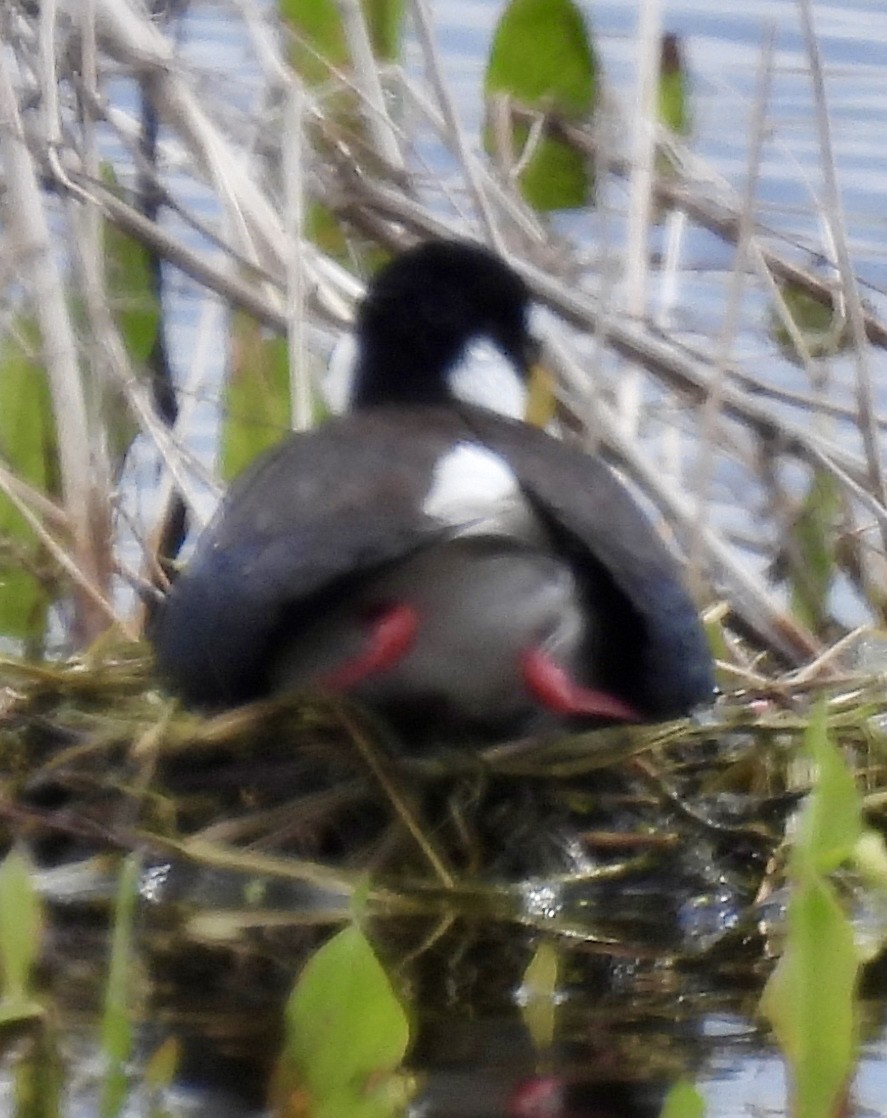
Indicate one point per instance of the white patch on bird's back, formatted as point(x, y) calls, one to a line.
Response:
point(484, 376)
point(475, 491)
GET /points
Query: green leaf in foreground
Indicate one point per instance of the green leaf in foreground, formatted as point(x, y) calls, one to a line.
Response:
point(347, 1033)
point(117, 1032)
point(542, 58)
point(683, 1101)
point(539, 994)
point(38, 1072)
point(831, 822)
point(810, 1000)
point(810, 997)
point(21, 922)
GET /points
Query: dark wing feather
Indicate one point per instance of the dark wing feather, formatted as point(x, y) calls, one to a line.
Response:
point(319, 507)
point(590, 507)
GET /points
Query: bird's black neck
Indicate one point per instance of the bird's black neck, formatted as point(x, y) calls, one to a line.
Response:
point(390, 375)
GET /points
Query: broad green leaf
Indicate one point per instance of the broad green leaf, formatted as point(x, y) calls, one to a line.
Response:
point(812, 563)
point(539, 994)
point(319, 42)
point(674, 108)
point(810, 999)
point(28, 448)
point(824, 329)
point(541, 53)
point(117, 1032)
point(831, 822)
point(385, 21)
point(542, 57)
point(319, 46)
point(21, 923)
point(557, 177)
point(256, 399)
point(683, 1101)
point(347, 1033)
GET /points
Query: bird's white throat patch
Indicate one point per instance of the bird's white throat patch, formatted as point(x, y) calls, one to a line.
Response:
point(482, 376)
point(485, 377)
point(475, 491)
point(337, 381)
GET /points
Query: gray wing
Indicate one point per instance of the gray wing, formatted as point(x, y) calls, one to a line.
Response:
point(590, 509)
point(318, 508)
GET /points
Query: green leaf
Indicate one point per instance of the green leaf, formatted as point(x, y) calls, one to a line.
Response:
point(130, 283)
point(162, 1065)
point(683, 1101)
point(541, 53)
point(136, 311)
point(117, 1032)
point(347, 1033)
point(542, 57)
point(674, 109)
point(557, 177)
point(810, 999)
point(824, 329)
point(812, 563)
point(319, 42)
point(870, 859)
point(39, 1075)
point(28, 448)
point(21, 924)
point(385, 21)
point(831, 822)
point(256, 399)
point(319, 45)
point(539, 994)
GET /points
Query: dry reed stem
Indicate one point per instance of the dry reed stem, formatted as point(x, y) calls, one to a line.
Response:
point(368, 83)
point(833, 213)
point(711, 408)
point(28, 219)
point(640, 198)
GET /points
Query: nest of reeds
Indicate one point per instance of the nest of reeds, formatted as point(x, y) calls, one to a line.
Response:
point(316, 798)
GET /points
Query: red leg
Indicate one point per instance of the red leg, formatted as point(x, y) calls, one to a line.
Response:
point(391, 634)
point(553, 687)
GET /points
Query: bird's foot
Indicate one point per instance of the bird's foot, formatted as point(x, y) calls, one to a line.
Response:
point(553, 687)
point(392, 631)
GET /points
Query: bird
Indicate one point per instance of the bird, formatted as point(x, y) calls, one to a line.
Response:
point(466, 574)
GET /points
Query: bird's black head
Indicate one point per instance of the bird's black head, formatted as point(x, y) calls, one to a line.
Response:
point(423, 310)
